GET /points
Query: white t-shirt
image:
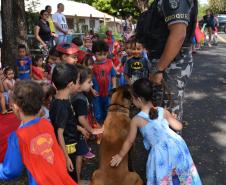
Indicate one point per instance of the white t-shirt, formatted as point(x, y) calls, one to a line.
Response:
point(61, 20)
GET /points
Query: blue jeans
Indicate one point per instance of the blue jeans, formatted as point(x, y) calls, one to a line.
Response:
point(100, 108)
point(62, 39)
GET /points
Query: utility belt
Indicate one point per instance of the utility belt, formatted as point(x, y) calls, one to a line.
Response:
point(71, 148)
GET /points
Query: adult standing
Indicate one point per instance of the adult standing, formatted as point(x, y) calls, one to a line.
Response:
point(42, 33)
point(209, 20)
point(60, 24)
point(48, 8)
point(166, 30)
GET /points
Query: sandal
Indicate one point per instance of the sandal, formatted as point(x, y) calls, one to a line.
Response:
point(5, 112)
point(9, 111)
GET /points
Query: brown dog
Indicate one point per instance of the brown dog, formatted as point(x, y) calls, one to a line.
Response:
point(116, 129)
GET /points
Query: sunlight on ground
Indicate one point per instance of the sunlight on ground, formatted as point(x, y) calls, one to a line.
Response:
point(220, 136)
point(221, 95)
point(195, 95)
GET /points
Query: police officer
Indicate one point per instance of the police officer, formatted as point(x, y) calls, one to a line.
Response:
point(166, 30)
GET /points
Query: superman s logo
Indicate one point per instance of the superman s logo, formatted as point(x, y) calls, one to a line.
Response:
point(42, 145)
point(136, 65)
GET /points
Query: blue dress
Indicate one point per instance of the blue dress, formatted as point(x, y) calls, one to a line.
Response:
point(169, 156)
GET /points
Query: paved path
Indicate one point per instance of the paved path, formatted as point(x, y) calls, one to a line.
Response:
point(205, 111)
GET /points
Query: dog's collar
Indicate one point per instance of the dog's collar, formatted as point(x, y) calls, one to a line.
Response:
point(117, 109)
point(115, 104)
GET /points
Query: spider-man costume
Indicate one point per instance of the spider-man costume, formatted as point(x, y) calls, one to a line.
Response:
point(103, 72)
point(34, 147)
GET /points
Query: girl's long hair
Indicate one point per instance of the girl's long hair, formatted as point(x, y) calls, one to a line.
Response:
point(143, 89)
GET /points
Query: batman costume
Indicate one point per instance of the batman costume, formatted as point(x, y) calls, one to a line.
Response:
point(136, 68)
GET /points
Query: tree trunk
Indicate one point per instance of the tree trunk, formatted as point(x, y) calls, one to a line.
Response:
point(14, 29)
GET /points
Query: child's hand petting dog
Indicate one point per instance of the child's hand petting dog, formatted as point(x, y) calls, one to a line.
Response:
point(116, 160)
point(98, 131)
point(85, 133)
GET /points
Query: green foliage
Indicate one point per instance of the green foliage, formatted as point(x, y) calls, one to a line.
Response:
point(105, 6)
point(218, 6)
point(31, 17)
point(123, 8)
point(102, 31)
point(117, 36)
point(103, 28)
point(202, 10)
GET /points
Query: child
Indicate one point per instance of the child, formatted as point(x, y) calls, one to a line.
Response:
point(33, 145)
point(137, 66)
point(23, 63)
point(62, 115)
point(127, 54)
point(38, 72)
point(65, 78)
point(82, 50)
point(52, 60)
point(49, 93)
point(68, 53)
point(78, 42)
point(2, 98)
point(88, 43)
point(88, 61)
point(81, 112)
point(104, 79)
point(109, 40)
point(8, 85)
point(169, 160)
point(118, 63)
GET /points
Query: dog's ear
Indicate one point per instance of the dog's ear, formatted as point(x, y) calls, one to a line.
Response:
point(112, 92)
point(127, 92)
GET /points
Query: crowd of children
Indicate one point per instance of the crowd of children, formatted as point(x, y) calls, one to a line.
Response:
point(82, 73)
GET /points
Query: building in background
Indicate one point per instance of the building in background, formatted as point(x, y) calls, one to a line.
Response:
point(81, 17)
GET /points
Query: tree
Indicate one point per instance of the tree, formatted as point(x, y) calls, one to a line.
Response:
point(123, 8)
point(218, 6)
point(202, 10)
point(14, 29)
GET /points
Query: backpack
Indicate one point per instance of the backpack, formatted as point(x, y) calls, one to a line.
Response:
point(144, 24)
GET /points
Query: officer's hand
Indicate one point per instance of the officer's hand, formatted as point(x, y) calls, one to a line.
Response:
point(157, 78)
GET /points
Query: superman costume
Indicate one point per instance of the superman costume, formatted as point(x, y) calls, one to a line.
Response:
point(23, 65)
point(103, 72)
point(34, 146)
point(38, 72)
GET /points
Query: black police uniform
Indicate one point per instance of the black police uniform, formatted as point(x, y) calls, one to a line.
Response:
point(152, 31)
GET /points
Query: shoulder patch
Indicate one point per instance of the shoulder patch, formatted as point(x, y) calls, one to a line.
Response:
point(174, 4)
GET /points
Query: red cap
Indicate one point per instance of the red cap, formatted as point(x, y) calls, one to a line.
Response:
point(67, 48)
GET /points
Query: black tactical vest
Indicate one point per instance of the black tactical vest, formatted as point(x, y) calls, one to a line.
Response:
point(152, 30)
